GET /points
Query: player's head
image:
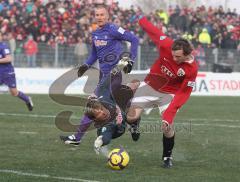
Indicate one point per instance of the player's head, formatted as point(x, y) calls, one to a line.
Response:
point(96, 111)
point(181, 50)
point(101, 15)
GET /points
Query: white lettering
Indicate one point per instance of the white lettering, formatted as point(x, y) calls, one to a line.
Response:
point(100, 43)
point(166, 71)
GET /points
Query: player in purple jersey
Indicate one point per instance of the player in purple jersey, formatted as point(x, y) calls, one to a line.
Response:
point(7, 74)
point(107, 48)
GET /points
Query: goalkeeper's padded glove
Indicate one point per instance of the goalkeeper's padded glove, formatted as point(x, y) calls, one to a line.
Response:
point(128, 67)
point(98, 144)
point(82, 69)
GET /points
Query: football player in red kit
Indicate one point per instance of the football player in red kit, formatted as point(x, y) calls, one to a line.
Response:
point(168, 85)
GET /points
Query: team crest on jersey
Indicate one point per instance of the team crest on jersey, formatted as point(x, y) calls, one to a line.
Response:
point(163, 37)
point(180, 72)
point(104, 129)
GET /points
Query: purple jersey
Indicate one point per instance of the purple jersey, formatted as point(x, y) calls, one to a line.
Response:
point(7, 74)
point(107, 46)
point(4, 50)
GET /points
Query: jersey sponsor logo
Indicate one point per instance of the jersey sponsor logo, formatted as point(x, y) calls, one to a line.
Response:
point(166, 71)
point(163, 37)
point(191, 84)
point(180, 72)
point(100, 43)
point(121, 30)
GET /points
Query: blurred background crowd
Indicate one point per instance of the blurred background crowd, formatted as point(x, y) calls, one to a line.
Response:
point(31, 25)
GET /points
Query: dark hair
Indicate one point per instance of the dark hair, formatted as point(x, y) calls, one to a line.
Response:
point(92, 104)
point(182, 44)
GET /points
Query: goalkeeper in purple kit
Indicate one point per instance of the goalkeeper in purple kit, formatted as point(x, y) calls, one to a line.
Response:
point(7, 74)
point(107, 48)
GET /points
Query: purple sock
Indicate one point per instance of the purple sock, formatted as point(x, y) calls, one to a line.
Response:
point(84, 125)
point(22, 96)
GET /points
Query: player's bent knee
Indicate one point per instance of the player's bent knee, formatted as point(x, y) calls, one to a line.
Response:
point(13, 92)
point(134, 85)
point(133, 114)
point(131, 117)
point(168, 132)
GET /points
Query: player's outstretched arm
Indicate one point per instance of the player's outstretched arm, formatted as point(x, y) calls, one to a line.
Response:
point(124, 35)
point(149, 27)
point(180, 98)
point(155, 33)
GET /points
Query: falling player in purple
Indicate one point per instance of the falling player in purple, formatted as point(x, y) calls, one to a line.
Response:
point(7, 74)
point(107, 48)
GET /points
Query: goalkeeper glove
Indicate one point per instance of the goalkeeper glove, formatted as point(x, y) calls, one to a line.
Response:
point(128, 67)
point(82, 69)
point(98, 144)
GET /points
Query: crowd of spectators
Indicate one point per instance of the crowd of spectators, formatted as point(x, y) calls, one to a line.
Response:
point(70, 23)
point(66, 21)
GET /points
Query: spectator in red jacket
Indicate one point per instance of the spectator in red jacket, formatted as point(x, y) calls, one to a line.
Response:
point(31, 50)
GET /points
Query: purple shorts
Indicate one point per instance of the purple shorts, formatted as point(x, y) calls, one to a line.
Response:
point(7, 77)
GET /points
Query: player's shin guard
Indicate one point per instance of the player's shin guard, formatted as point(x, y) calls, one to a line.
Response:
point(168, 144)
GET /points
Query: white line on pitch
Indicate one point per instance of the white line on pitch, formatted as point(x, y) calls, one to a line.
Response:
point(215, 125)
point(201, 119)
point(198, 124)
point(147, 118)
point(32, 115)
point(27, 115)
point(27, 132)
point(20, 173)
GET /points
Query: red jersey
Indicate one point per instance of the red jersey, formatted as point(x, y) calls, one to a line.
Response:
point(166, 75)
